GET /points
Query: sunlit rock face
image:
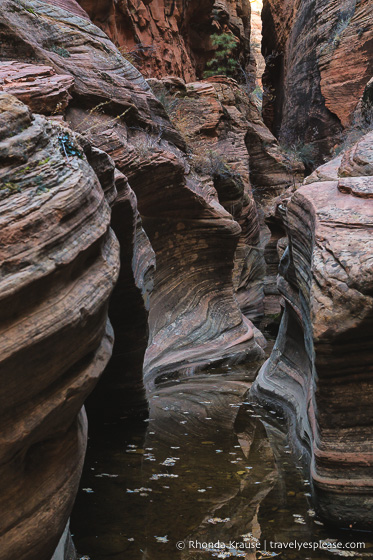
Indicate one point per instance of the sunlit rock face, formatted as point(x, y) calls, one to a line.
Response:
point(59, 262)
point(319, 58)
point(171, 37)
point(320, 370)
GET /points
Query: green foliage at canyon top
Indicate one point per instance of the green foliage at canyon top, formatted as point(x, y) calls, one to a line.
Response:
point(223, 61)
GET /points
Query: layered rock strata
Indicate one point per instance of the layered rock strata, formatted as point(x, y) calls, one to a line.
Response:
point(59, 262)
point(39, 87)
point(212, 117)
point(319, 58)
point(235, 154)
point(171, 37)
point(320, 370)
point(194, 315)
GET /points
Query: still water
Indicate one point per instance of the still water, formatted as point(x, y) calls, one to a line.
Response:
point(206, 476)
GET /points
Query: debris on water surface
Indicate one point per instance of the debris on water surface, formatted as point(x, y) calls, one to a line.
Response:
point(107, 475)
point(149, 457)
point(138, 490)
point(170, 461)
point(161, 539)
point(88, 490)
point(163, 475)
point(249, 537)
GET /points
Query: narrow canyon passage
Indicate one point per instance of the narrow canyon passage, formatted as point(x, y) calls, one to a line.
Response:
point(208, 475)
point(186, 257)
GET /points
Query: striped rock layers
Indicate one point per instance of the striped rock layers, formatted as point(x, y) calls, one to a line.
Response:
point(319, 57)
point(320, 370)
point(59, 262)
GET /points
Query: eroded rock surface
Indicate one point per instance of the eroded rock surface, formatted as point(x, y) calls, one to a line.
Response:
point(171, 37)
point(59, 262)
point(319, 58)
point(39, 87)
point(235, 154)
point(194, 315)
point(320, 370)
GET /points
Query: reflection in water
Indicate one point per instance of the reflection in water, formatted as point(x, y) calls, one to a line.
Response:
point(202, 469)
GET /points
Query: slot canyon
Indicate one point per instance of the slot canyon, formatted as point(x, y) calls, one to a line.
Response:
point(186, 275)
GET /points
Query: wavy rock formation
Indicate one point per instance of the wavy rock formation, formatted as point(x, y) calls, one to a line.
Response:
point(319, 58)
point(59, 262)
point(212, 117)
point(235, 154)
point(320, 370)
point(194, 316)
point(171, 37)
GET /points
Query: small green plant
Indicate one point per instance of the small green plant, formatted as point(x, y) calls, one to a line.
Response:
point(44, 161)
point(145, 146)
point(168, 101)
point(208, 162)
point(9, 188)
point(61, 51)
point(223, 61)
point(298, 151)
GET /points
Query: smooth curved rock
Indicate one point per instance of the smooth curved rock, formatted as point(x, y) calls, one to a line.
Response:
point(135, 131)
point(320, 370)
point(213, 117)
point(59, 262)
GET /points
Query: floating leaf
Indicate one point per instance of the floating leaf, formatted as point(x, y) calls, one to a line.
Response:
point(161, 539)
